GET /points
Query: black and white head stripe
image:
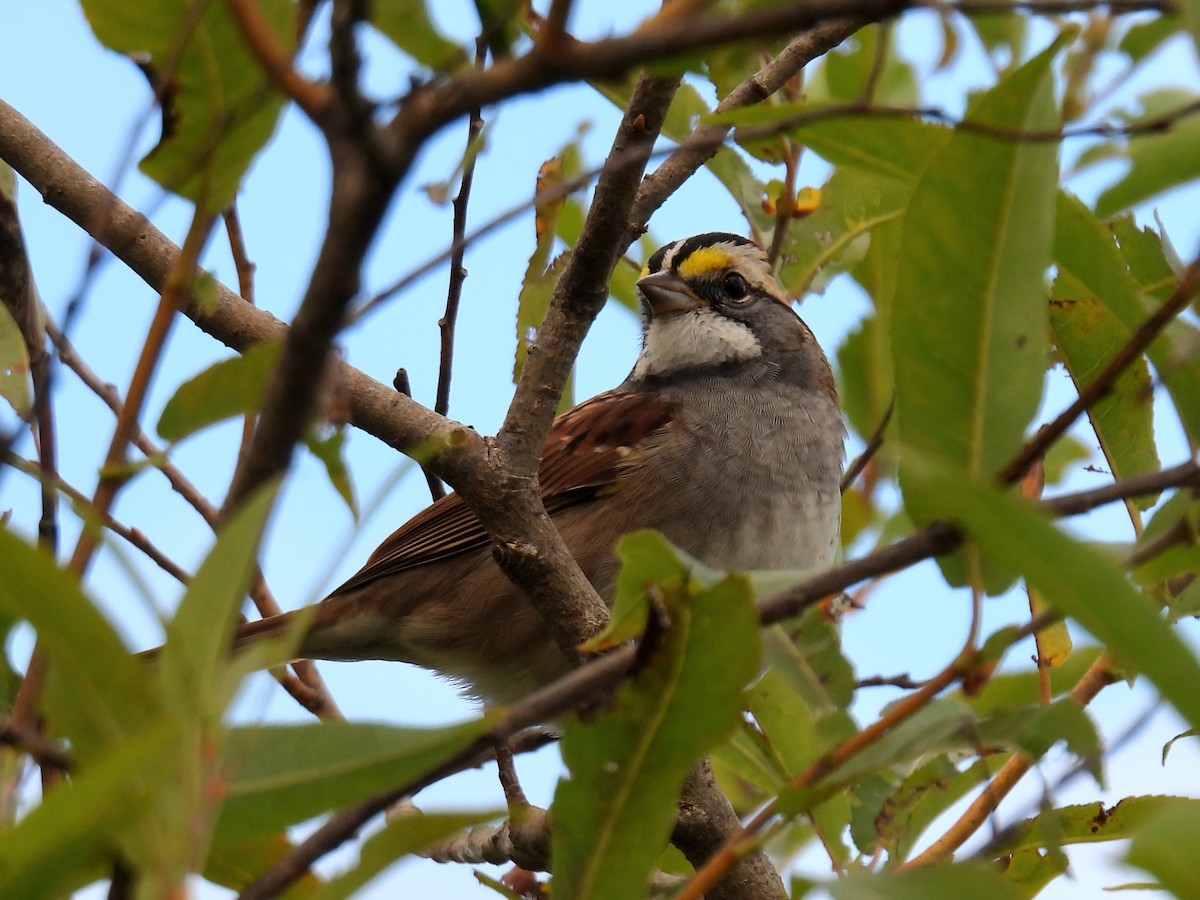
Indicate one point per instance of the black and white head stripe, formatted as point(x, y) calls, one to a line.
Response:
point(712, 328)
point(708, 256)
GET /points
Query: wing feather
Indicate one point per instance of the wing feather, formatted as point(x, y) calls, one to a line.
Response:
point(586, 451)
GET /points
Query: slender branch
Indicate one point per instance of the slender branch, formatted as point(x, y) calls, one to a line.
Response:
point(860, 463)
point(134, 537)
point(1185, 474)
point(566, 600)
point(46, 753)
point(703, 143)
point(458, 272)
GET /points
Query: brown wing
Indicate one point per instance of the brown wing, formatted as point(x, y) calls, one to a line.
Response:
point(584, 454)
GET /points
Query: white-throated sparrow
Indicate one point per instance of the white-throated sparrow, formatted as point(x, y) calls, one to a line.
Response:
point(726, 437)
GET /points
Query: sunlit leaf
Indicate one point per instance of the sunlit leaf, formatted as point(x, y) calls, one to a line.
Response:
point(283, 774)
point(1085, 253)
point(937, 882)
point(1158, 161)
point(1089, 823)
point(835, 236)
point(1075, 578)
point(229, 388)
point(222, 105)
point(976, 280)
point(406, 23)
point(615, 809)
point(14, 363)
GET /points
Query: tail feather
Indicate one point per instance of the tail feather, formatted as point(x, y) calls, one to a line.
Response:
point(277, 639)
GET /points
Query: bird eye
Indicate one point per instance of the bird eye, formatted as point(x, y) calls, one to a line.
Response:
point(735, 286)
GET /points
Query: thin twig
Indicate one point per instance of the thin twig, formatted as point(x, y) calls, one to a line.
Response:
point(1131, 350)
point(177, 285)
point(132, 536)
point(860, 463)
point(458, 271)
point(44, 752)
point(1098, 676)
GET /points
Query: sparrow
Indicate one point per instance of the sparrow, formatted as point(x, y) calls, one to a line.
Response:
point(726, 437)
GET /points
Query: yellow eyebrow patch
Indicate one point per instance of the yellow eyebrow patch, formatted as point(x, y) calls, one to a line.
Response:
point(705, 261)
point(645, 271)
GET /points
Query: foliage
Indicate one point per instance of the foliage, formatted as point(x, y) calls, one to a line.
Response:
point(995, 283)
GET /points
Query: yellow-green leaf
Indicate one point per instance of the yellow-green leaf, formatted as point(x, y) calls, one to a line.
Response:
point(968, 328)
point(615, 809)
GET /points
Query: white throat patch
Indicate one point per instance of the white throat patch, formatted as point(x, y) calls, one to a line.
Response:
point(696, 338)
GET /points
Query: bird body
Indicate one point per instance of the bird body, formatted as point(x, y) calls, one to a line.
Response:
point(726, 437)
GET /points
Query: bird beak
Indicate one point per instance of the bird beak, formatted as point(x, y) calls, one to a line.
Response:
point(665, 293)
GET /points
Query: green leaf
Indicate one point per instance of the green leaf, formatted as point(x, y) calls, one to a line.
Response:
point(1036, 729)
point(200, 635)
point(500, 22)
point(1085, 253)
point(222, 105)
point(1143, 38)
point(899, 149)
point(403, 835)
point(1181, 512)
point(643, 566)
point(836, 235)
point(1088, 335)
point(843, 75)
point(1088, 823)
point(924, 795)
point(747, 757)
point(795, 742)
point(283, 774)
point(62, 843)
point(1159, 161)
point(1147, 256)
point(229, 388)
point(1075, 578)
point(969, 291)
point(808, 653)
point(14, 364)
point(937, 882)
point(1017, 689)
point(237, 866)
point(1032, 870)
point(98, 693)
point(406, 23)
point(329, 451)
point(614, 811)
